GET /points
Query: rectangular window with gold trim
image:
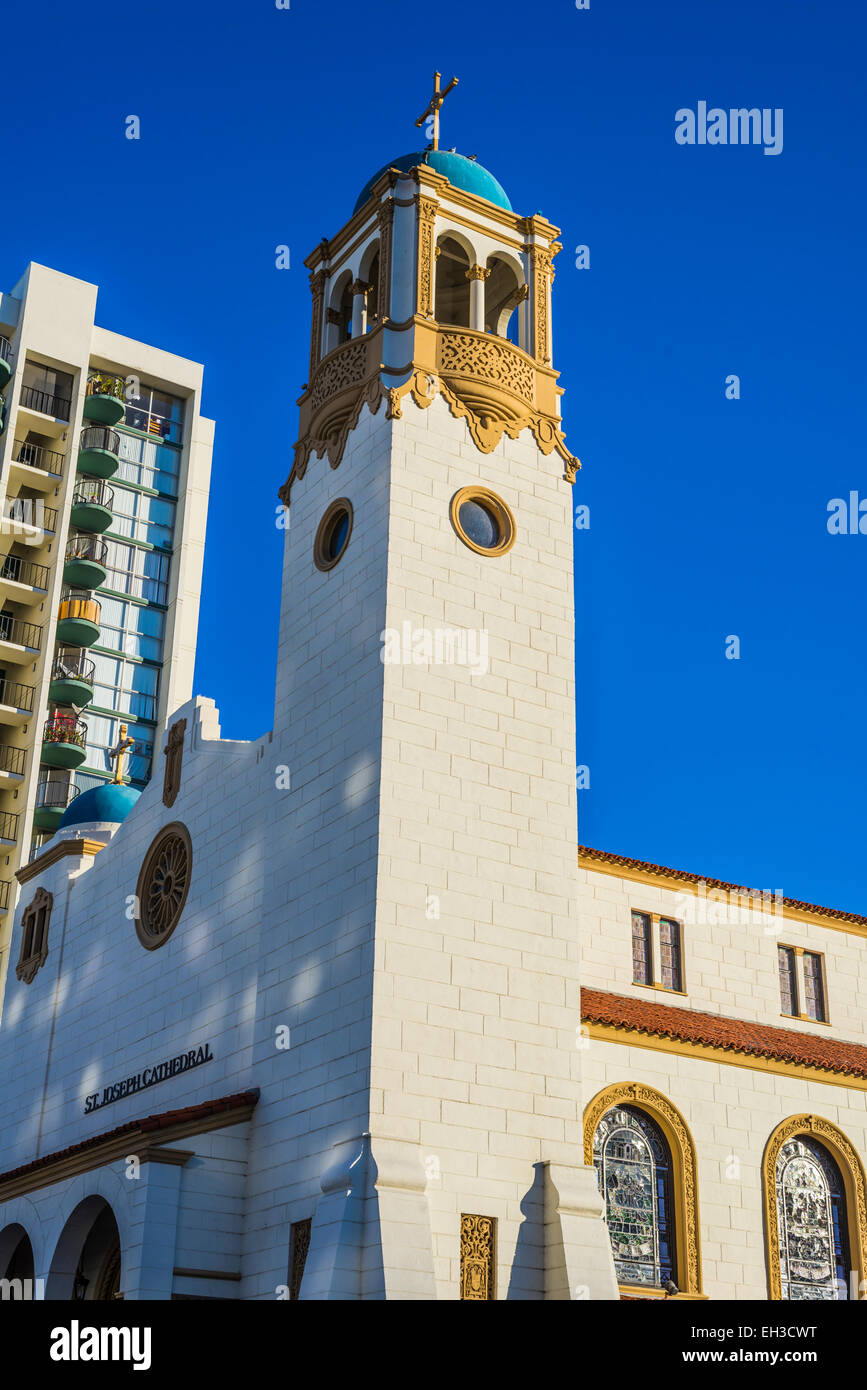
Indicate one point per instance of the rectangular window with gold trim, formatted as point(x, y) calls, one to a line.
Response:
point(642, 949)
point(788, 980)
point(670, 954)
point(814, 987)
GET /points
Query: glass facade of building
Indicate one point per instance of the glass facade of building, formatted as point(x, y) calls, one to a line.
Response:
point(134, 598)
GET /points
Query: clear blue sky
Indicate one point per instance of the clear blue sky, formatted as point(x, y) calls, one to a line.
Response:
point(708, 516)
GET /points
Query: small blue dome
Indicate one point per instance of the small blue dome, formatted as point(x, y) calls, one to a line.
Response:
point(461, 173)
point(111, 803)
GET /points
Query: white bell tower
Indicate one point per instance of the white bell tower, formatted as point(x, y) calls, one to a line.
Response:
point(426, 708)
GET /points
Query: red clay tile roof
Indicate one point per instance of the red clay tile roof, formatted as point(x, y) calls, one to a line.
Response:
point(585, 852)
point(732, 1034)
point(149, 1125)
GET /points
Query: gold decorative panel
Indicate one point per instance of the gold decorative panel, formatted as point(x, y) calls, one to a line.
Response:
point(478, 1257)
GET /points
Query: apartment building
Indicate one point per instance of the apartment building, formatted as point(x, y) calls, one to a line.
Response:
point(104, 473)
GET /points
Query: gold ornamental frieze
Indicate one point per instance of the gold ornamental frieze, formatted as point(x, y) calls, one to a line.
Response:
point(495, 387)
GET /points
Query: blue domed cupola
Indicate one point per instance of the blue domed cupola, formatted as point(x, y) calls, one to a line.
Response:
point(108, 804)
point(460, 171)
point(435, 286)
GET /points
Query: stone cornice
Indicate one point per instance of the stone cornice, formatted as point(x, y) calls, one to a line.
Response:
point(79, 848)
point(146, 1139)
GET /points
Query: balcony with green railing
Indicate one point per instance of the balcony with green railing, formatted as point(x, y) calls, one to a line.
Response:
point(92, 505)
point(78, 618)
point(72, 674)
point(104, 402)
point(52, 799)
point(84, 562)
point(98, 451)
point(64, 740)
point(5, 362)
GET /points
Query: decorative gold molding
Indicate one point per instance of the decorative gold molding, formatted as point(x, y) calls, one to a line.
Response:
point(488, 382)
point(56, 852)
point(543, 274)
point(684, 1168)
point(852, 1170)
point(680, 1047)
point(386, 232)
point(477, 272)
point(478, 1259)
point(671, 883)
point(317, 288)
point(427, 213)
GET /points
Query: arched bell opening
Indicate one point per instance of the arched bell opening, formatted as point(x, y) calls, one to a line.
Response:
point(505, 290)
point(339, 313)
point(452, 301)
point(87, 1262)
point(369, 275)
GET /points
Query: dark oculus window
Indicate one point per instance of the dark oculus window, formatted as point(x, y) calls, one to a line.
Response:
point(332, 536)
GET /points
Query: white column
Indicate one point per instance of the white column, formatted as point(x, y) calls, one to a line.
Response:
point(359, 308)
point(477, 275)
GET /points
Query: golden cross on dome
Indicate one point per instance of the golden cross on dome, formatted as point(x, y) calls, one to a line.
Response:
point(117, 753)
point(433, 109)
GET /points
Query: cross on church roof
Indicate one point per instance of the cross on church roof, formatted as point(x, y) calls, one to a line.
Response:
point(116, 754)
point(433, 109)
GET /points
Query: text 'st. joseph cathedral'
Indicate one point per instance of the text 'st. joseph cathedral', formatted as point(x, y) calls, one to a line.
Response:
point(304, 1020)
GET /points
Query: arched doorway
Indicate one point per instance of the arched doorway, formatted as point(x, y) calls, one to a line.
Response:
point(87, 1262)
point(16, 1262)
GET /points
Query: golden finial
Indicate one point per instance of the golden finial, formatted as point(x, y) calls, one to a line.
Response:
point(433, 109)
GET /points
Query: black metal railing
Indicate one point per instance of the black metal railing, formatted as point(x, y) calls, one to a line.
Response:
point(22, 571)
point(65, 728)
point(16, 695)
point(20, 633)
point(5, 887)
point(37, 456)
point(72, 664)
point(94, 493)
point(100, 437)
point(86, 547)
point(5, 349)
point(45, 402)
point(9, 825)
point(12, 759)
point(31, 511)
point(55, 796)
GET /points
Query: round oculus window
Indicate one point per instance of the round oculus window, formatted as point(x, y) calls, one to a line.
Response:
point(483, 521)
point(332, 536)
point(163, 884)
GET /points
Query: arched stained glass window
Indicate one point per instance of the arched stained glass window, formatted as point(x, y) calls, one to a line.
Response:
point(811, 1211)
point(633, 1166)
